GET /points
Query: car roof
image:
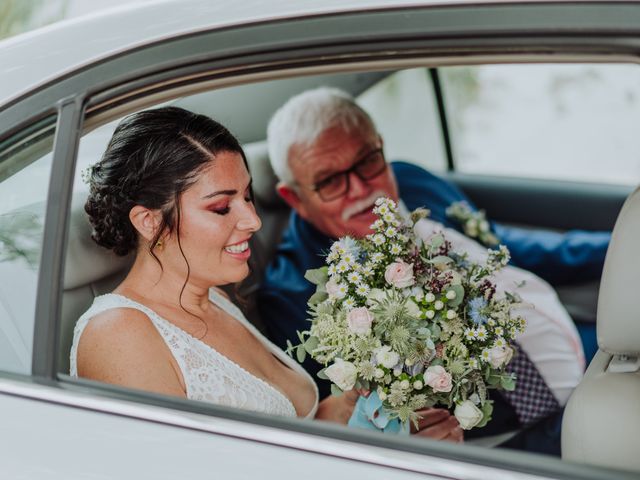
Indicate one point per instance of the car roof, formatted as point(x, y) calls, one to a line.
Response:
point(35, 58)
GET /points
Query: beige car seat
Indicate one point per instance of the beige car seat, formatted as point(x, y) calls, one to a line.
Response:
point(601, 424)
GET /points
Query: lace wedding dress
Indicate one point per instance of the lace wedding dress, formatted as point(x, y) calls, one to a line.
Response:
point(208, 375)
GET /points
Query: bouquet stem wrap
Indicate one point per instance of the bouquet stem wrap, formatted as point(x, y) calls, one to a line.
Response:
point(369, 413)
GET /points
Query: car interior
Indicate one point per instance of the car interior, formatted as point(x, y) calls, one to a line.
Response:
point(529, 201)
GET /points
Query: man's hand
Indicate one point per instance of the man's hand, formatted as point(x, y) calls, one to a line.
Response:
point(438, 424)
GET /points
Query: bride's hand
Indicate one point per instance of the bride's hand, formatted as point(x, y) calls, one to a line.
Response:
point(438, 424)
point(338, 409)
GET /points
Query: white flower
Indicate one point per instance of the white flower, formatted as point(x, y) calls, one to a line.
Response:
point(378, 239)
point(354, 277)
point(429, 297)
point(486, 355)
point(335, 289)
point(377, 257)
point(362, 289)
point(417, 385)
point(438, 305)
point(377, 225)
point(468, 414)
point(473, 363)
point(332, 270)
point(451, 314)
point(499, 342)
point(381, 394)
point(405, 384)
point(342, 267)
point(348, 259)
point(395, 249)
point(376, 295)
point(413, 309)
point(342, 373)
point(438, 378)
point(451, 295)
point(388, 217)
point(349, 303)
point(491, 322)
point(481, 333)
point(399, 274)
point(379, 373)
point(470, 334)
point(360, 320)
point(499, 356)
point(499, 331)
point(386, 357)
point(430, 314)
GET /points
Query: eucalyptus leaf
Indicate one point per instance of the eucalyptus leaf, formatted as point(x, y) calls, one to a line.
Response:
point(311, 344)
point(440, 259)
point(301, 353)
point(335, 390)
point(436, 242)
point(487, 410)
point(318, 297)
point(459, 290)
point(321, 375)
point(508, 383)
point(318, 276)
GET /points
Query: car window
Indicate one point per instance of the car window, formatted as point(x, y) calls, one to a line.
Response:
point(567, 122)
point(404, 109)
point(25, 167)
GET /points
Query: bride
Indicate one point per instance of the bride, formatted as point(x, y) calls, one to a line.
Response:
point(174, 188)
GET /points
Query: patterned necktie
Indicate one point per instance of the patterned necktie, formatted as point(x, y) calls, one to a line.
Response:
point(532, 399)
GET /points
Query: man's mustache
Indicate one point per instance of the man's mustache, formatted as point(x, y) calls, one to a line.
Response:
point(361, 205)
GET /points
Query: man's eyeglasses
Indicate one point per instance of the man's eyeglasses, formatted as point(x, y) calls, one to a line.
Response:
point(337, 185)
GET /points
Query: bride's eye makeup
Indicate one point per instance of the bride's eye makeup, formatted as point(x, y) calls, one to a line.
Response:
point(220, 209)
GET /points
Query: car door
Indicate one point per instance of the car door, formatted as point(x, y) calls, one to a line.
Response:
point(77, 428)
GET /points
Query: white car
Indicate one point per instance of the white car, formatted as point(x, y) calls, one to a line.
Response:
point(532, 108)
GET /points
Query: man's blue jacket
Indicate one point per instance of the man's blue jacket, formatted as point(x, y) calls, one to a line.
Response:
point(282, 299)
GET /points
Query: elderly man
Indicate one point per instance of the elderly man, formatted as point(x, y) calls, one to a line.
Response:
point(329, 158)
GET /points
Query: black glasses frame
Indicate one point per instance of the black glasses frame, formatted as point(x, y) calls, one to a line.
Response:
point(345, 173)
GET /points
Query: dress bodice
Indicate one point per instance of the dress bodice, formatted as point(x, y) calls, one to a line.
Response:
point(208, 375)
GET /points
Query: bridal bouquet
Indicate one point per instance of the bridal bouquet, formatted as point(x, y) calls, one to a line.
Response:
point(411, 321)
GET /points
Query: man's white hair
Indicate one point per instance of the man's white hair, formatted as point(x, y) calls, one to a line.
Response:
point(304, 117)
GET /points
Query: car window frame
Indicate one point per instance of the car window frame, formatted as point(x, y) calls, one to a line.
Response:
point(108, 94)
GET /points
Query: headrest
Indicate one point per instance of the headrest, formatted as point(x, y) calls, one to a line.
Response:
point(87, 262)
point(618, 323)
point(264, 180)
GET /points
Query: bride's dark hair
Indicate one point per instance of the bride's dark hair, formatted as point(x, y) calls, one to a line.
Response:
point(152, 158)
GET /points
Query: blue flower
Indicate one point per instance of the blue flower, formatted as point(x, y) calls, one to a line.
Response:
point(476, 307)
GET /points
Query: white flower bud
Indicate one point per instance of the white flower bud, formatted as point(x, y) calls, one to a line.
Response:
point(429, 297)
point(451, 314)
point(382, 395)
point(418, 385)
point(430, 314)
point(451, 295)
point(379, 373)
point(438, 305)
point(405, 384)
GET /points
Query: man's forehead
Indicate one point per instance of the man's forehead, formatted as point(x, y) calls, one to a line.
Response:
point(334, 147)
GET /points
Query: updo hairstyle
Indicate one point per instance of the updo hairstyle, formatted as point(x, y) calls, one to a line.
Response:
point(152, 158)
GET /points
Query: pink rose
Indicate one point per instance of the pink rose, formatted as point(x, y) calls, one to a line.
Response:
point(360, 320)
point(399, 274)
point(438, 379)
